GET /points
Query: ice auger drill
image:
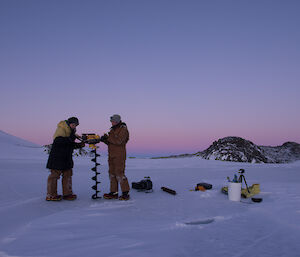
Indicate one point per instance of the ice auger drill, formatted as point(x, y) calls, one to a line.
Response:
point(92, 140)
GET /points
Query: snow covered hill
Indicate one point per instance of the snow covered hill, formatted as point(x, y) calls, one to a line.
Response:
point(15, 147)
point(7, 139)
point(18, 148)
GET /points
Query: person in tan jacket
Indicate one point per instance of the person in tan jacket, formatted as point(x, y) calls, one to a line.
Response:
point(116, 140)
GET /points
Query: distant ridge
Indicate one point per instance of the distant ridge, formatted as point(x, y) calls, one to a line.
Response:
point(8, 139)
point(12, 147)
point(237, 149)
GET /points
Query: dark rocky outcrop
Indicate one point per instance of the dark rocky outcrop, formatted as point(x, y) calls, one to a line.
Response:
point(237, 149)
point(234, 149)
point(288, 152)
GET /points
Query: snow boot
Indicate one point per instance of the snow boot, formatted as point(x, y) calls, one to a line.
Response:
point(124, 197)
point(54, 198)
point(111, 195)
point(70, 197)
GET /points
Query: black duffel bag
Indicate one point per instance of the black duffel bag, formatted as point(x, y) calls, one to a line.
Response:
point(144, 185)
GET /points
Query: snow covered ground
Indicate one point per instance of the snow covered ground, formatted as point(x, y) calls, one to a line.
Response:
point(150, 224)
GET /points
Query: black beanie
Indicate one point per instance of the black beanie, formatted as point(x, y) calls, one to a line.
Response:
point(73, 120)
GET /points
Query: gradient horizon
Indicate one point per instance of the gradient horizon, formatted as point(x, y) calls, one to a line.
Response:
point(182, 74)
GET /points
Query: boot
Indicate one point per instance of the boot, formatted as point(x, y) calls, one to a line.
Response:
point(124, 197)
point(53, 198)
point(111, 195)
point(70, 197)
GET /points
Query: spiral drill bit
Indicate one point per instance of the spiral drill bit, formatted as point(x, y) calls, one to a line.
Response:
point(95, 178)
point(92, 140)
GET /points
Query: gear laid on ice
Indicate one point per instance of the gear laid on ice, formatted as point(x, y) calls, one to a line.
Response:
point(245, 192)
point(168, 190)
point(205, 185)
point(253, 200)
point(256, 199)
point(202, 187)
point(144, 185)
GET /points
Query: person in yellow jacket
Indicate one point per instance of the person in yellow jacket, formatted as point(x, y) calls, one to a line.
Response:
point(116, 140)
point(60, 161)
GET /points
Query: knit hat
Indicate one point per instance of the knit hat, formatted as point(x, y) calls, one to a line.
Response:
point(73, 120)
point(116, 118)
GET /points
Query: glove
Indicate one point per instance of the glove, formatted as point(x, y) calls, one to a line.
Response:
point(92, 141)
point(104, 138)
point(72, 137)
point(78, 145)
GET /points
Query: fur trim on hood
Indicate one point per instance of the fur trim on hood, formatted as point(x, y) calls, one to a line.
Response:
point(63, 130)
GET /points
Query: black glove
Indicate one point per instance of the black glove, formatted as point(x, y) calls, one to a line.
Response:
point(104, 138)
point(79, 145)
point(72, 137)
point(92, 141)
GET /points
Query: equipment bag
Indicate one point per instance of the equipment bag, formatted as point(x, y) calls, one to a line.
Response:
point(205, 185)
point(144, 185)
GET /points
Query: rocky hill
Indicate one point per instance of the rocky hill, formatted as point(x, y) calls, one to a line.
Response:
point(234, 149)
point(237, 149)
point(288, 152)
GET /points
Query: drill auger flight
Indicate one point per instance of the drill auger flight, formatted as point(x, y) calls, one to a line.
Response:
point(92, 140)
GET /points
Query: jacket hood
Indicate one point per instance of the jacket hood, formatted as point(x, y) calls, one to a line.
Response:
point(63, 130)
point(120, 124)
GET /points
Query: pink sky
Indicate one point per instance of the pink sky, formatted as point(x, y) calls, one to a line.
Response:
point(181, 74)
